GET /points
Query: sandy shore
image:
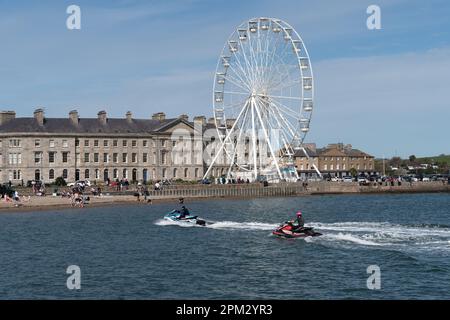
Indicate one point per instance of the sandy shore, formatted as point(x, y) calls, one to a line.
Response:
point(36, 203)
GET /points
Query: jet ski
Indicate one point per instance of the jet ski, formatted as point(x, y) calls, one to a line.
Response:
point(286, 231)
point(175, 215)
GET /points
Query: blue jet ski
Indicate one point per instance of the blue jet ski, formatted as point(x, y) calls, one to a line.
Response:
point(175, 215)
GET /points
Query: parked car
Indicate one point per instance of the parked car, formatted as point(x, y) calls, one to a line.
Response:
point(347, 179)
point(81, 183)
point(425, 179)
point(362, 179)
point(336, 179)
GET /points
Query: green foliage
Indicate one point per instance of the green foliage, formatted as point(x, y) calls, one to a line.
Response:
point(353, 172)
point(60, 182)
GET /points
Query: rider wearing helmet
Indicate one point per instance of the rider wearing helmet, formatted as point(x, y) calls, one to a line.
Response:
point(300, 222)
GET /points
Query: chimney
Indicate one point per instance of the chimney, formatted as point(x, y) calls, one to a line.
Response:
point(6, 116)
point(310, 146)
point(200, 120)
point(230, 122)
point(73, 116)
point(102, 117)
point(184, 117)
point(159, 116)
point(39, 116)
point(129, 117)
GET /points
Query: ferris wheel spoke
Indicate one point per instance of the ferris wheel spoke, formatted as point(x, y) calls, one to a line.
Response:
point(288, 111)
point(242, 85)
point(286, 122)
point(242, 77)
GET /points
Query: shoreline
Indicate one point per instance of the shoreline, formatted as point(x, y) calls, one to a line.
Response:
point(51, 203)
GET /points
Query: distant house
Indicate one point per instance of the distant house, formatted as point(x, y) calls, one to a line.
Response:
point(336, 160)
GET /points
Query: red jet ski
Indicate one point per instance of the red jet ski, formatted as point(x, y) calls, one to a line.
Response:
point(286, 230)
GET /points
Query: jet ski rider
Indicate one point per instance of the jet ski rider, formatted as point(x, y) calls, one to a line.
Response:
point(184, 212)
point(299, 222)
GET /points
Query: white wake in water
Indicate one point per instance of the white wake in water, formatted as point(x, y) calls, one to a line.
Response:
point(386, 235)
point(375, 234)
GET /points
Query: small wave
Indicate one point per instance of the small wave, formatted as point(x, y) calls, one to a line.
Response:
point(241, 225)
point(219, 225)
point(350, 238)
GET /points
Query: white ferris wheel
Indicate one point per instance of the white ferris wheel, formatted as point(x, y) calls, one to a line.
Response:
point(263, 100)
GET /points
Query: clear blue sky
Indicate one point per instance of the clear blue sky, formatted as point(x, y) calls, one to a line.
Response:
point(384, 91)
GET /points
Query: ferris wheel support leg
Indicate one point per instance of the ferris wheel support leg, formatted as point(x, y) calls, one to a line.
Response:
point(255, 162)
point(268, 141)
point(232, 162)
point(314, 166)
point(223, 143)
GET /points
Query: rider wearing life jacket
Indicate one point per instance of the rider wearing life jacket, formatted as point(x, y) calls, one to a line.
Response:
point(184, 212)
point(299, 222)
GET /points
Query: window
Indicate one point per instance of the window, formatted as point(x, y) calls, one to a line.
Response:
point(105, 143)
point(163, 157)
point(64, 174)
point(144, 157)
point(51, 157)
point(15, 175)
point(196, 172)
point(14, 143)
point(97, 174)
point(65, 144)
point(124, 174)
point(164, 173)
point(86, 143)
point(105, 158)
point(77, 142)
point(186, 172)
point(51, 174)
point(134, 157)
point(115, 174)
point(95, 157)
point(37, 143)
point(325, 167)
point(15, 158)
point(337, 166)
point(86, 157)
point(37, 157)
point(331, 167)
point(145, 143)
point(174, 143)
point(115, 157)
point(125, 157)
point(115, 143)
point(86, 174)
point(52, 143)
point(124, 143)
point(343, 166)
point(65, 157)
point(134, 143)
point(95, 143)
point(163, 143)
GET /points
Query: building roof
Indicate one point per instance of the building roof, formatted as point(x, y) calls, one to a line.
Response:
point(88, 125)
point(301, 153)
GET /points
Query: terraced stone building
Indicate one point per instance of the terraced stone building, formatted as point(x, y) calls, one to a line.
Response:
point(98, 149)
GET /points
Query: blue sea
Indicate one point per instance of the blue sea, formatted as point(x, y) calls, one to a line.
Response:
point(130, 252)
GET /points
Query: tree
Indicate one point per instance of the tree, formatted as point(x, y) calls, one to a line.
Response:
point(353, 172)
point(412, 158)
point(60, 182)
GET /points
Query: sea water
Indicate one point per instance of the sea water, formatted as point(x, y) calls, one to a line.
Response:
point(130, 252)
